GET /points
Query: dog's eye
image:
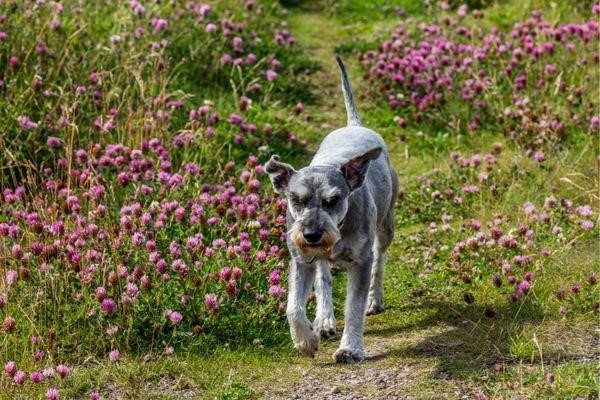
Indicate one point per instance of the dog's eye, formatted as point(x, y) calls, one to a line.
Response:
point(297, 201)
point(330, 202)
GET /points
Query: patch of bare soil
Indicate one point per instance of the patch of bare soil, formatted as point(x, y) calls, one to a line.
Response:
point(386, 373)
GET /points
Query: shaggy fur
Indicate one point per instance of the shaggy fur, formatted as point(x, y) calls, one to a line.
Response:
point(340, 210)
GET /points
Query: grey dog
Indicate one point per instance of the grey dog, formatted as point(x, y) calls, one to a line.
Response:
point(340, 210)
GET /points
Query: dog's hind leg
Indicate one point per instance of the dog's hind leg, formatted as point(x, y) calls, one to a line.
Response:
point(324, 323)
point(383, 240)
point(375, 299)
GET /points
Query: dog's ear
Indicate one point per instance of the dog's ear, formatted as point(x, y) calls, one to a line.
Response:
point(356, 168)
point(280, 173)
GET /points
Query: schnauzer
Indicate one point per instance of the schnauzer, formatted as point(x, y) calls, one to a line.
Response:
point(340, 210)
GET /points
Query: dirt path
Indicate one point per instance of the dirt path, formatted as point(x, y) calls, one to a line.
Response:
point(393, 369)
point(320, 35)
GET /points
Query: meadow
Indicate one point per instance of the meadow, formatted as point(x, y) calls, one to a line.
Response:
point(142, 248)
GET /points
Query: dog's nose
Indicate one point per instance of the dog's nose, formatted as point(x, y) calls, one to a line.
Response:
point(312, 235)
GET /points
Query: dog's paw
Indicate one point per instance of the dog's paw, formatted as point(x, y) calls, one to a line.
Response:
point(348, 356)
point(325, 326)
point(308, 344)
point(374, 306)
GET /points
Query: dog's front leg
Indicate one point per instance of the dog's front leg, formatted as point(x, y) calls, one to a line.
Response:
point(300, 281)
point(351, 346)
point(324, 323)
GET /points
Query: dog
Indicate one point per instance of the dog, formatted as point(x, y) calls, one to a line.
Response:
point(340, 210)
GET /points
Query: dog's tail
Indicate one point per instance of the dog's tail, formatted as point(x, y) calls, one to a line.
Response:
point(353, 118)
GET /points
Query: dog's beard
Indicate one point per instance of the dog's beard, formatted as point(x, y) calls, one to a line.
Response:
point(331, 236)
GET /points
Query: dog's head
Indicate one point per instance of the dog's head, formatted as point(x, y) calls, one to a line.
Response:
point(318, 198)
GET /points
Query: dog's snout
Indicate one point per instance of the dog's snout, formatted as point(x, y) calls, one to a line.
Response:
point(312, 235)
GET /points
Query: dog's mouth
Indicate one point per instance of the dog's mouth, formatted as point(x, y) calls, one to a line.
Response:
point(320, 248)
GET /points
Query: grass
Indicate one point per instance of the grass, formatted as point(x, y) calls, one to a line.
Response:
point(433, 346)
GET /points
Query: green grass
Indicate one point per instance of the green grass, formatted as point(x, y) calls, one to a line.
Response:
point(435, 345)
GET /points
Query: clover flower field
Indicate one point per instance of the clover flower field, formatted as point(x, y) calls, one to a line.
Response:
point(492, 72)
point(137, 221)
point(128, 233)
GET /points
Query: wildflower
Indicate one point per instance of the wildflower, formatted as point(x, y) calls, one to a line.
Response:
point(549, 69)
point(529, 208)
point(63, 371)
point(175, 317)
point(584, 211)
point(497, 280)
point(108, 305)
point(19, 377)
point(14, 62)
point(158, 25)
point(210, 301)
point(587, 225)
point(545, 252)
point(35, 377)
point(575, 288)
point(48, 372)
point(8, 325)
point(225, 273)
point(276, 291)
point(210, 28)
point(114, 355)
point(522, 287)
point(100, 293)
point(274, 277)
point(481, 396)
point(468, 297)
point(237, 43)
point(539, 156)
point(26, 124)
point(271, 75)
point(10, 368)
point(298, 108)
point(132, 290)
point(53, 142)
point(235, 119)
point(236, 273)
point(490, 312)
point(52, 394)
point(231, 288)
point(226, 59)
point(11, 276)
